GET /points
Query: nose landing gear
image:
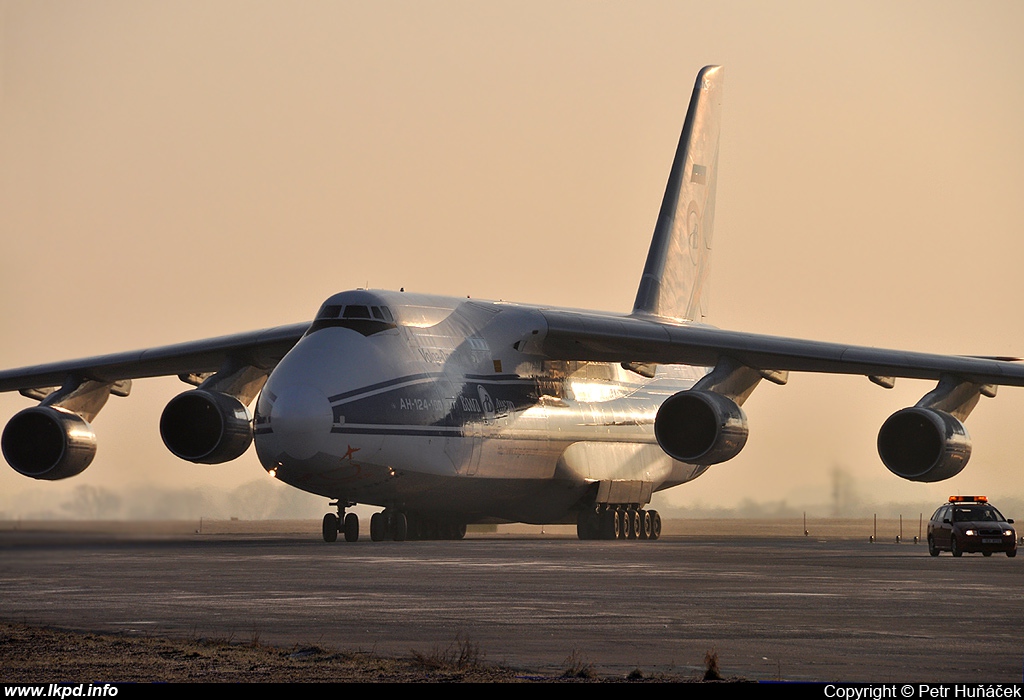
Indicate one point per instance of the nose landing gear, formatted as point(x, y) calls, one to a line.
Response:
point(347, 524)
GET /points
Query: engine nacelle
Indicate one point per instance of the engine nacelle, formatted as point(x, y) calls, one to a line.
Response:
point(701, 427)
point(206, 427)
point(923, 444)
point(48, 442)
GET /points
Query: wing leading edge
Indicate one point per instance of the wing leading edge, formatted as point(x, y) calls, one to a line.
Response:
point(262, 349)
point(571, 335)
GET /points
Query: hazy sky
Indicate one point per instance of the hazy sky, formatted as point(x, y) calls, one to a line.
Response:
point(172, 171)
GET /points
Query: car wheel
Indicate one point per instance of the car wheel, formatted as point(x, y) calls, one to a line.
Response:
point(932, 549)
point(986, 554)
point(1011, 553)
point(954, 547)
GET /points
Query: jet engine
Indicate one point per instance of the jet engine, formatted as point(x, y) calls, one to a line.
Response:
point(48, 442)
point(701, 427)
point(924, 444)
point(206, 427)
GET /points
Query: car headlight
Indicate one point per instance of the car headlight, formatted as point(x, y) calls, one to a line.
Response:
point(1007, 533)
point(970, 533)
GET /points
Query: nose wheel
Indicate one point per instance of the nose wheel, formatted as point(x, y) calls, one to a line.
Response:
point(341, 523)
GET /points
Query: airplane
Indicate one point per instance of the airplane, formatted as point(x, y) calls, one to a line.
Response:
point(451, 411)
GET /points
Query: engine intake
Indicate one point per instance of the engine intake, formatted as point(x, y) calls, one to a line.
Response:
point(924, 444)
point(48, 442)
point(206, 427)
point(701, 427)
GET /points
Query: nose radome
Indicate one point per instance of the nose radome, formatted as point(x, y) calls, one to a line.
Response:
point(300, 419)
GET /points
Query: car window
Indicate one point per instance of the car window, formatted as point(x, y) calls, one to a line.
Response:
point(962, 514)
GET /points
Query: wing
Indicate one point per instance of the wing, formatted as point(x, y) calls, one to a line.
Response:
point(706, 424)
point(630, 339)
point(208, 425)
point(262, 349)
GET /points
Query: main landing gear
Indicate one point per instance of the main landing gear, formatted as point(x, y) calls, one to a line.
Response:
point(398, 526)
point(618, 522)
point(391, 525)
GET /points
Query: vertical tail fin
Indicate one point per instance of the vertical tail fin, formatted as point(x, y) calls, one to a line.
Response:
point(674, 282)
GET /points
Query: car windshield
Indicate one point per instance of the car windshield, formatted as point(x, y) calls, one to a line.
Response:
point(963, 514)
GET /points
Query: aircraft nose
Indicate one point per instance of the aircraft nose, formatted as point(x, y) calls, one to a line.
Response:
point(300, 421)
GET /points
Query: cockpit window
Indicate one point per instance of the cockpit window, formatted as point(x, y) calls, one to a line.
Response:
point(355, 317)
point(356, 311)
point(329, 311)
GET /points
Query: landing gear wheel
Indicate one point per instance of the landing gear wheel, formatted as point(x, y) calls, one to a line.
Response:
point(954, 547)
point(330, 527)
point(932, 549)
point(655, 525)
point(631, 522)
point(620, 528)
point(378, 527)
point(351, 527)
point(400, 527)
point(645, 524)
point(414, 527)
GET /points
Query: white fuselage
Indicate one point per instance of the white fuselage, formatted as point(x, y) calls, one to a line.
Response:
point(437, 411)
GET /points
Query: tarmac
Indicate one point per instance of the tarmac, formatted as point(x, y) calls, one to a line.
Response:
point(773, 604)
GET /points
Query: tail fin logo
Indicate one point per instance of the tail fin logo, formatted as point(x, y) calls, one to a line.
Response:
point(693, 223)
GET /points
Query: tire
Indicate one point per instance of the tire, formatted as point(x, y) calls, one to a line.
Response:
point(655, 525)
point(645, 525)
point(416, 528)
point(401, 527)
point(378, 527)
point(954, 547)
point(1011, 552)
point(351, 527)
point(932, 549)
point(330, 527)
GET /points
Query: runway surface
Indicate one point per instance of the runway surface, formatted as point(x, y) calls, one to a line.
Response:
point(773, 608)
